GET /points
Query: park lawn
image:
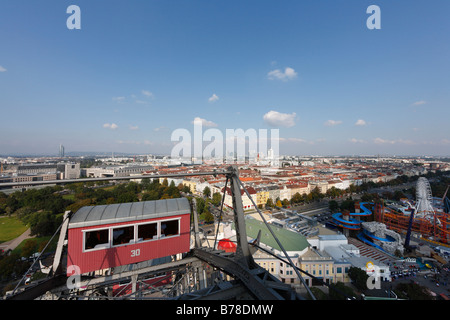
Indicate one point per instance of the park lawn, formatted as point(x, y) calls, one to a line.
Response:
point(11, 228)
point(40, 243)
point(69, 197)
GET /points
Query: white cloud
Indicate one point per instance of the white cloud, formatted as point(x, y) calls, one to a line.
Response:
point(299, 140)
point(134, 128)
point(383, 141)
point(409, 142)
point(111, 126)
point(354, 140)
point(296, 140)
point(277, 119)
point(213, 98)
point(127, 142)
point(159, 129)
point(419, 103)
point(2, 69)
point(277, 74)
point(134, 142)
point(147, 93)
point(204, 122)
point(360, 122)
point(331, 123)
point(398, 141)
point(118, 99)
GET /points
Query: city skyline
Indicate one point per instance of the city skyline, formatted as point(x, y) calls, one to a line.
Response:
point(136, 72)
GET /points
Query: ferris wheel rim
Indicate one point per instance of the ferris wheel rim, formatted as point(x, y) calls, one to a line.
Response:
point(423, 190)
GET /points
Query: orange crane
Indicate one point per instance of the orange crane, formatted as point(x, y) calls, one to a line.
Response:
point(446, 201)
point(445, 193)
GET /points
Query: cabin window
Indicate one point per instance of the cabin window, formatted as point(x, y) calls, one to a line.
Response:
point(170, 228)
point(123, 235)
point(147, 231)
point(96, 239)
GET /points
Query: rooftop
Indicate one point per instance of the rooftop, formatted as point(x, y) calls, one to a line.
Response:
point(291, 241)
point(132, 211)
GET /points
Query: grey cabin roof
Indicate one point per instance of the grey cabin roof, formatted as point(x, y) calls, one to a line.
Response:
point(124, 212)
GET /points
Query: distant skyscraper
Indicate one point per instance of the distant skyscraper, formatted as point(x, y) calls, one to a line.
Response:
point(61, 151)
point(270, 154)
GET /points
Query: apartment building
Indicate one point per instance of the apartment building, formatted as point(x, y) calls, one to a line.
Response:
point(192, 184)
point(246, 202)
point(319, 264)
point(116, 171)
point(299, 188)
point(262, 195)
point(321, 185)
point(285, 193)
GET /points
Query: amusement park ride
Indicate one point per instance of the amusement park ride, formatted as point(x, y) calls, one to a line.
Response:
point(428, 217)
point(130, 245)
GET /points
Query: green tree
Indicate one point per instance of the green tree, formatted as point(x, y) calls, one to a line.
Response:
point(316, 194)
point(12, 264)
point(207, 192)
point(348, 205)
point(206, 216)
point(133, 187)
point(333, 205)
point(359, 277)
point(412, 291)
point(79, 204)
point(12, 202)
point(297, 198)
point(43, 223)
point(269, 203)
point(173, 191)
point(333, 192)
point(201, 204)
point(127, 197)
point(341, 292)
point(216, 199)
point(29, 248)
point(145, 183)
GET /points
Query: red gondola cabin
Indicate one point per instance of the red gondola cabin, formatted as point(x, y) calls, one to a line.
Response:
point(107, 236)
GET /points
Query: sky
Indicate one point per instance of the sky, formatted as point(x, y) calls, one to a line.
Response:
point(138, 70)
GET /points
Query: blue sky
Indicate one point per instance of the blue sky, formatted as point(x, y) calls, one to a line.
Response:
point(138, 70)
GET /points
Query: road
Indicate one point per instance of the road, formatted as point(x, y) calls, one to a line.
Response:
point(11, 245)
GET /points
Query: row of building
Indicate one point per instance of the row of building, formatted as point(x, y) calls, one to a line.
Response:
point(263, 184)
point(40, 172)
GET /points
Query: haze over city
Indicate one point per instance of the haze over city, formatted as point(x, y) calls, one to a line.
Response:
point(136, 71)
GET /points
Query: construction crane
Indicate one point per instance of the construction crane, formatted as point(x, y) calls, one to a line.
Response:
point(446, 201)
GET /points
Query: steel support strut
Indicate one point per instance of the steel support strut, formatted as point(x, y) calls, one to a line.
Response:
point(243, 254)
